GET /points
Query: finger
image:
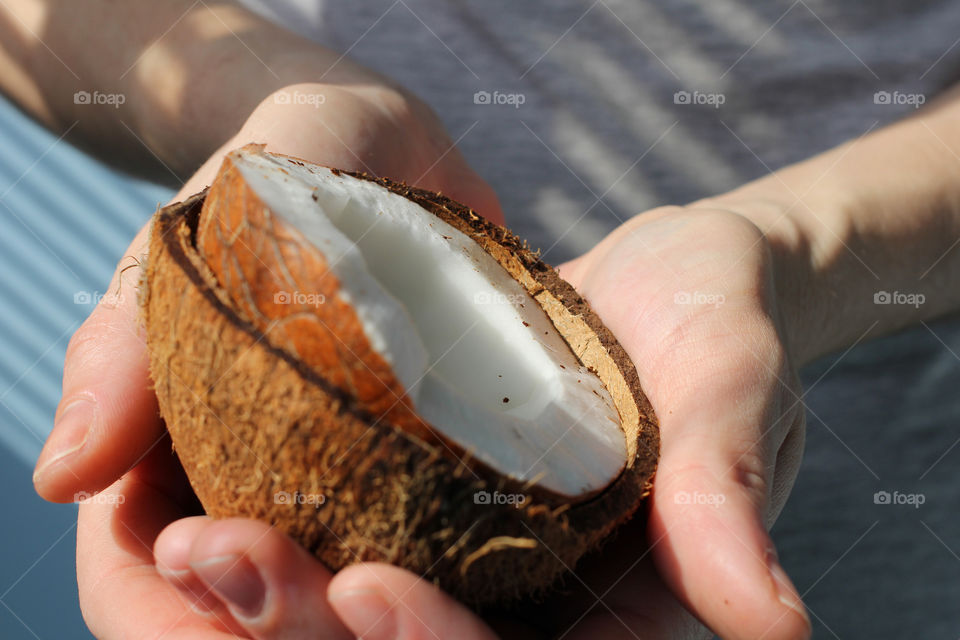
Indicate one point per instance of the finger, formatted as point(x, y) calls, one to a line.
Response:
point(272, 586)
point(383, 602)
point(121, 593)
point(717, 377)
point(479, 196)
point(571, 270)
point(456, 179)
point(709, 517)
point(171, 553)
point(107, 418)
point(721, 385)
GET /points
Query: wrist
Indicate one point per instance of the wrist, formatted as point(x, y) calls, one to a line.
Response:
point(801, 235)
point(872, 229)
point(197, 89)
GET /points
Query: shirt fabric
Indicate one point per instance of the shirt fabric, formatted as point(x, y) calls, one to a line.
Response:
point(581, 114)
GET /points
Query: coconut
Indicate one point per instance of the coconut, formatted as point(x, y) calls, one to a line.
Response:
point(386, 376)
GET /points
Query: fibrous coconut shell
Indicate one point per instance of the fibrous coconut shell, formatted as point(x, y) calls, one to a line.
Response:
point(281, 426)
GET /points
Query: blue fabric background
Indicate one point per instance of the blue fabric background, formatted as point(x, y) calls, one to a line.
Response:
point(64, 222)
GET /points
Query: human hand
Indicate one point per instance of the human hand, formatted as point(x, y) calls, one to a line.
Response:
point(212, 580)
point(644, 600)
point(112, 419)
point(108, 421)
point(690, 293)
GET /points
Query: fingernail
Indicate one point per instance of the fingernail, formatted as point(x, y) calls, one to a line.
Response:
point(366, 613)
point(69, 434)
point(236, 581)
point(784, 589)
point(192, 589)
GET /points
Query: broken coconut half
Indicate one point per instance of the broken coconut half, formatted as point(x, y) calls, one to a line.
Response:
point(386, 376)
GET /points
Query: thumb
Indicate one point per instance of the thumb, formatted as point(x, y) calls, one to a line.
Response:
point(453, 177)
point(711, 544)
point(107, 419)
point(383, 602)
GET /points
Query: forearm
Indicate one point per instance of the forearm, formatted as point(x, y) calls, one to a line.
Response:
point(876, 215)
point(188, 74)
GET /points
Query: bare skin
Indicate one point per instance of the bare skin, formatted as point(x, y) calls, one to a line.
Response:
point(717, 303)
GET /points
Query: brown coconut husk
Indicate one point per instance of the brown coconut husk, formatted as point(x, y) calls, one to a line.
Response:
point(255, 413)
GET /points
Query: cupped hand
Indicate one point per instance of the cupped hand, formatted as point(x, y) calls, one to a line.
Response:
point(691, 295)
point(108, 423)
point(107, 418)
point(150, 567)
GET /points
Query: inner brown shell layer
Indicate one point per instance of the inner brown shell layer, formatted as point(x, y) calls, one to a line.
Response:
point(263, 435)
point(278, 281)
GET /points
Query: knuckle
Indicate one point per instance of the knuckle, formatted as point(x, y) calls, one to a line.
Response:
point(754, 476)
point(93, 348)
point(86, 340)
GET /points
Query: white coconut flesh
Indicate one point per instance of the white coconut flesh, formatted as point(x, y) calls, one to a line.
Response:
point(478, 357)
